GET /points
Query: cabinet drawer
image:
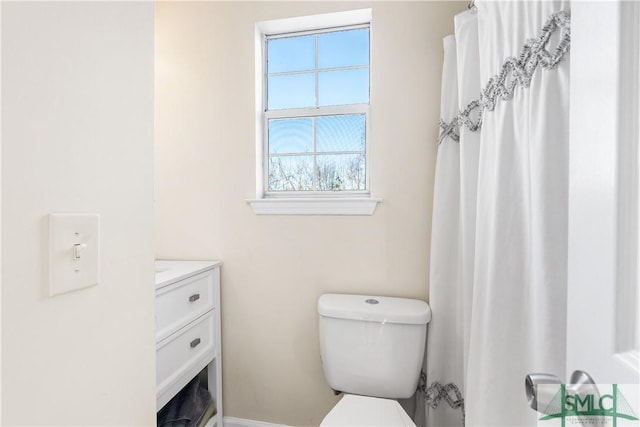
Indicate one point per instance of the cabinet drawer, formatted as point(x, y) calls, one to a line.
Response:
point(177, 354)
point(182, 302)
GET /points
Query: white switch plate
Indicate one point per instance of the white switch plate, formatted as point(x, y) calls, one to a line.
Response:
point(67, 271)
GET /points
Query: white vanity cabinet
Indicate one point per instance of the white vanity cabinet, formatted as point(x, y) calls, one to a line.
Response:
point(188, 329)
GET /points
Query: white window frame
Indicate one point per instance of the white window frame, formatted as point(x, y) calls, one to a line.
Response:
point(311, 202)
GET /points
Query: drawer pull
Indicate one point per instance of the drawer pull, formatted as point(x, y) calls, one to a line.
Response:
point(195, 343)
point(194, 297)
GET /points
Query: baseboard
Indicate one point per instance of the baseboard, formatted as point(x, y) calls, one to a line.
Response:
point(241, 422)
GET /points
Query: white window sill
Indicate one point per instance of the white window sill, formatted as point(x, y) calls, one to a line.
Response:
point(315, 206)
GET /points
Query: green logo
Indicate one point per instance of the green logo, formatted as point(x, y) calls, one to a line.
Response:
point(591, 407)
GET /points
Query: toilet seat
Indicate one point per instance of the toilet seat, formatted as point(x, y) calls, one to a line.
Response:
point(353, 410)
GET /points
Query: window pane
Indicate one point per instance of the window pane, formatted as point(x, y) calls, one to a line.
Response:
point(338, 172)
point(290, 136)
point(340, 133)
point(291, 173)
point(344, 87)
point(291, 54)
point(291, 91)
point(343, 48)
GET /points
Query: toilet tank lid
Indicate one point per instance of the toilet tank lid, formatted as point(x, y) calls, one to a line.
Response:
point(374, 309)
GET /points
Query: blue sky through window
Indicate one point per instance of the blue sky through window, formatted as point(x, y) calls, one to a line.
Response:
point(292, 69)
point(292, 54)
point(343, 48)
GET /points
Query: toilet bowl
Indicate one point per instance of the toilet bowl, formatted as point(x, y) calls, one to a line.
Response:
point(353, 410)
point(371, 349)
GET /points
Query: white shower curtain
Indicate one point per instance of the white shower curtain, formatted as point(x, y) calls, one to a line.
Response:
point(499, 239)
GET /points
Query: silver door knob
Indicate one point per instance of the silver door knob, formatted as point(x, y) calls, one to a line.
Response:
point(535, 399)
point(542, 398)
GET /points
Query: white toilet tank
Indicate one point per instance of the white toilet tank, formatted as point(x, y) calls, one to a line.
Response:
point(372, 346)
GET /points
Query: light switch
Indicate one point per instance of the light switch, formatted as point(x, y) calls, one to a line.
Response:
point(74, 252)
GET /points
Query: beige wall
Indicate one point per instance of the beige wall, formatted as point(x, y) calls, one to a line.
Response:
point(275, 267)
point(77, 136)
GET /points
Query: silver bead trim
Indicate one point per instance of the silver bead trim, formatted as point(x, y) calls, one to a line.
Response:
point(437, 392)
point(515, 72)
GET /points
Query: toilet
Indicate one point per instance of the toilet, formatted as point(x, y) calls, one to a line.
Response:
point(371, 350)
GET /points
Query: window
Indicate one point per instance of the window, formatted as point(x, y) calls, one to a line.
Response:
point(317, 105)
point(314, 109)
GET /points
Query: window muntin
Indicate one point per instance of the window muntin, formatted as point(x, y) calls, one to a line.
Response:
point(316, 111)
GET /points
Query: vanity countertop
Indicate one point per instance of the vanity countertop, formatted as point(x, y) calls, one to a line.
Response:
point(170, 271)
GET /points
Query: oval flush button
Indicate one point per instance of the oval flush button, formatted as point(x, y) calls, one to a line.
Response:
point(372, 301)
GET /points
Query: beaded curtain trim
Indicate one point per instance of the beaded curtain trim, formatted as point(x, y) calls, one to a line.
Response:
point(515, 72)
point(437, 392)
